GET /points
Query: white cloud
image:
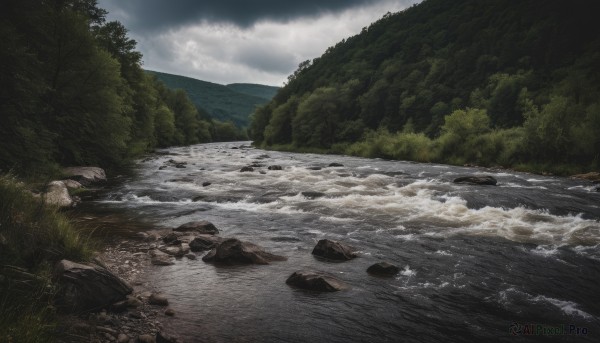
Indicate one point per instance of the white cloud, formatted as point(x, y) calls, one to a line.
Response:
point(266, 52)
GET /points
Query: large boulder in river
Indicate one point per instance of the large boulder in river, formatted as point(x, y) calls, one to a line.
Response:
point(477, 180)
point(315, 281)
point(85, 175)
point(57, 194)
point(234, 251)
point(201, 226)
point(87, 287)
point(333, 250)
point(383, 269)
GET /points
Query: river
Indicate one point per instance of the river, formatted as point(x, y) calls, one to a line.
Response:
point(478, 263)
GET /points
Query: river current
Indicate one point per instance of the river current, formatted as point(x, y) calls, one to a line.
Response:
point(512, 262)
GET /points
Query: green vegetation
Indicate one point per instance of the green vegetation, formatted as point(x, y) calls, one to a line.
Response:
point(72, 92)
point(234, 102)
point(497, 82)
point(33, 237)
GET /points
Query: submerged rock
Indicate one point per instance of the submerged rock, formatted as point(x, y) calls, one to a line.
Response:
point(246, 169)
point(200, 226)
point(333, 250)
point(313, 195)
point(275, 167)
point(159, 258)
point(383, 269)
point(234, 251)
point(335, 164)
point(477, 180)
point(315, 281)
point(88, 287)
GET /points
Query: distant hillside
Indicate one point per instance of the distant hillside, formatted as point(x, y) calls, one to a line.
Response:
point(261, 91)
point(233, 102)
point(466, 81)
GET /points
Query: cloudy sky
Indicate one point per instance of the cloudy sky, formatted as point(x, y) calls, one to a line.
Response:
point(227, 41)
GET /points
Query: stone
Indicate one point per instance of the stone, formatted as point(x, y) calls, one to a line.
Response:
point(169, 312)
point(234, 251)
point(87, 287)
point(146, 339)
point(159, 258)
point(313, 195)
point(190, 256)
point(203, 243)
point(86, 175)
point(202, 227)
point(122, 338)
point(383, 269)
point(158, 299)
point(335, 164)
point(275, 167)
point(246, 169)
point(171, 238)
point(314, 168)
point(477, 180)
point(592, 176)
point(57, 194)
point(206, 184)
point(162, 167)
point(333, 250)
point(72, 184)
point(176, 250)
point(315, 281)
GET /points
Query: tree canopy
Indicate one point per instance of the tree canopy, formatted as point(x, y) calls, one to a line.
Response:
point(527, 65)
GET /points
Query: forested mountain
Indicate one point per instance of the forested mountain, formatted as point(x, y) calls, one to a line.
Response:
point(233, 102)
point(72, 92)
point(490, 82)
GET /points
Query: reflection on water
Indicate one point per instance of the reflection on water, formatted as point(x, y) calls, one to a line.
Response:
point(474, 259)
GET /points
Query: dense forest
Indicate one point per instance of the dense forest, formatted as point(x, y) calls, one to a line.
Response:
point(500, 82)
point(72, 92)
point(227, 103)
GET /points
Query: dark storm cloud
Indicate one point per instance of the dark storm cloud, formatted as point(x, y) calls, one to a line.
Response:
point(142, 15)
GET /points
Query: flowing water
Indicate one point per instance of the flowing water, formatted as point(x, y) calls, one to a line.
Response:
point(478, 263)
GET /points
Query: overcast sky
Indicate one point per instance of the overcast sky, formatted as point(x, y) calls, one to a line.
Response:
point(228, 41)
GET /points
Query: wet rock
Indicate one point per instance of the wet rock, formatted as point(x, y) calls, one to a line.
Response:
point(203, 243)
point(206, 184)
point(313, 195)
point(477, 180)
point(180, 165)
point(169, 312)
point(158, 299)
point(383, 269)
point(57, 195)
point(263, 156)
point(275, 167)
point(315, 281)
point(201, 226)
point(176, 250)
point(234, 251)
point(234, 148)
point(171, 238)
point(246, 169)
point(162, 167)
point(88, 287)
point(333, 250)
point(314, 168)
point(85, 175)
point(159, 258)
point(143, 236)
point(335, 164)
point(190, 256)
